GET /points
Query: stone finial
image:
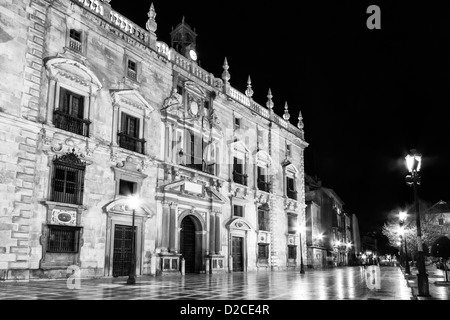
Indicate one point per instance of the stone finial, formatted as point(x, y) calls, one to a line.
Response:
point(249, 91)
point(286, 115)
point(269, 103)
point(300, 120)
point(226, 75)
point(151, 23)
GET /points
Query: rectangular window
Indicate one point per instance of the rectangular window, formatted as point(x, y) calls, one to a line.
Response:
point(127, 188)
point(441, 222)
point(263, 252)
point(75, 40)
point(263, 220)
point(132, 70)
point(238, 171)
point(263, 179)
point(63, 239)
point(288, 150)
point(194, 147)
point(237, 123)
point(129, 134)
point(67, 184)
point(290, 188)
point(292, 252)
point(292, 224)
point(238, 211)
point(70, 114)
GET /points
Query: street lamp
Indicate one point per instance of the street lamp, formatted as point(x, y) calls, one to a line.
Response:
point(302, 268)
point(402, 232)
point(413, 163)
point(133, 203)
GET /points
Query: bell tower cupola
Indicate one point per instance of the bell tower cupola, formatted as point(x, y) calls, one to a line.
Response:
point(183, 40)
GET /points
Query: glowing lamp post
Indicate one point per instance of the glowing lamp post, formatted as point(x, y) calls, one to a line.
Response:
point(133, 203)
point(402, 231)
point(413, 164)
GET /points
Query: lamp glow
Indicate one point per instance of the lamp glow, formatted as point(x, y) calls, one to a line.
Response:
point(403, 215)
point(133, 202)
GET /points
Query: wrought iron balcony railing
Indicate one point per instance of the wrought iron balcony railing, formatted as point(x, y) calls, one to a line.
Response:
point(263, 185)
point(292, 194)
point(131, 143)
point(66, 122)
point(240, 178)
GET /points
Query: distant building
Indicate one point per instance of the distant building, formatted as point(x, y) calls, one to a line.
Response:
point(330, 230)
point(439, 215)
point(93, 109)
point(356, 235)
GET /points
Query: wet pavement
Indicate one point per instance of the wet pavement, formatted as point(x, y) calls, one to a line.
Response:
point(343, 283)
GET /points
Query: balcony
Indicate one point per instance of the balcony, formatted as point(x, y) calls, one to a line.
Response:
point(240, 178)
point(75, 45)
point(291, 194)
point(263, 185)
point(131, 143)
point(132, 74)
point(70, 123)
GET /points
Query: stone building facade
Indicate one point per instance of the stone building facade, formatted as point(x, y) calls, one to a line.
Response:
point(330, 230)
point(93, 109)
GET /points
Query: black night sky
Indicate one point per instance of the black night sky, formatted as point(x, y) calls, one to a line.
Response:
point(367, 96)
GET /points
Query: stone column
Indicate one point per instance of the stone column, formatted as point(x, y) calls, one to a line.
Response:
point(218, 233)
point(212, 233)
point(167, 139)
point(173, 144)
point(173, 227)
point(165, 227)
point(115, 124)
point(51, 100)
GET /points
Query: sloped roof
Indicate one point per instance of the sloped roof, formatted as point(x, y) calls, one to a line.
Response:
point(439, 207)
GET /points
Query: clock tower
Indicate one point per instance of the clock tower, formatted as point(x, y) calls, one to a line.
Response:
point(183, 40)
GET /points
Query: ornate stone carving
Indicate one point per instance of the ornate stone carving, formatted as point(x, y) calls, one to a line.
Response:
point(269, 103)
point(146, 163)
point(300, 121)
point(173, 103)
point(151, 24)
point(286, 115)
point(226, 75)
point(249, 91)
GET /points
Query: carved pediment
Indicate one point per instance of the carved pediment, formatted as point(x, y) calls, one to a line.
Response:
point(239, 223)
point(194, 88)
point(130, 97)
point(262, 158)
point(120, 206)
point(63, 69)
point(239, 146)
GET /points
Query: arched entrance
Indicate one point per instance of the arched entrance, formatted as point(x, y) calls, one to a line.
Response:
point(188, 244)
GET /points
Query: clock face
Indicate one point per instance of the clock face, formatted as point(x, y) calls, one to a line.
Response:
point(194, 108)
point(193, 55)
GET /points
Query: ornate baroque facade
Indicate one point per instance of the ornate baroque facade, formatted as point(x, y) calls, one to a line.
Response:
point(94, 108)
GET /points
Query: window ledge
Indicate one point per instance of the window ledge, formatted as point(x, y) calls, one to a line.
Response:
point(62, 204)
